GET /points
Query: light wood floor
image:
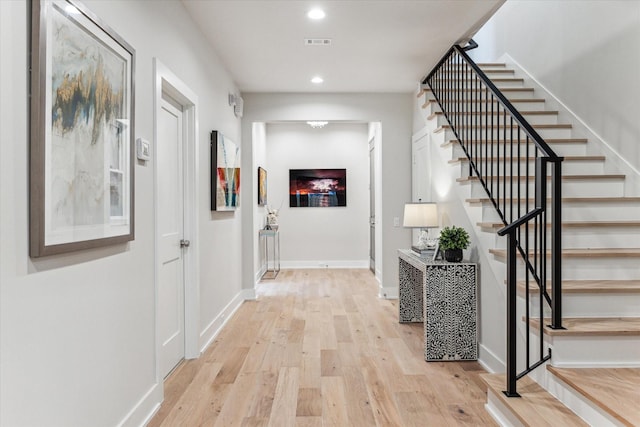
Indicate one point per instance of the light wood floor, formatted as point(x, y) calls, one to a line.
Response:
point(319, 348)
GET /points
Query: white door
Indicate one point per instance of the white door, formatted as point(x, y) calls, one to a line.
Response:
point(170, 239)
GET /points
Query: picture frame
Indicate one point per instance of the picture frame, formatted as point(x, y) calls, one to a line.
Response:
point(225, 173)
point(262, 187)
point(81, 131)
point(317, 188)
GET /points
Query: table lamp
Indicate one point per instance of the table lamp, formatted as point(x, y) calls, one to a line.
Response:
point(423, 216)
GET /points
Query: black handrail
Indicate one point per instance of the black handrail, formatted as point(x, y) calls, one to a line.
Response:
point(500, 144)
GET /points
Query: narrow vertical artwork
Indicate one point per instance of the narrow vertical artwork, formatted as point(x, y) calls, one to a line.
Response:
point(225, 173)
point(262, 187)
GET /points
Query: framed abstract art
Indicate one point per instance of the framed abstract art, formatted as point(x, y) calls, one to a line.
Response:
point(262, 187)
point(225, 173)
point(82, 131)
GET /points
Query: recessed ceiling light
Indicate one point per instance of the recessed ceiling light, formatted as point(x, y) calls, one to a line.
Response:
point(317, 80)
point(316, 14)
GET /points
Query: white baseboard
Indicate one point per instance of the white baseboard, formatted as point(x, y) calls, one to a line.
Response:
point(145, 409)
point(489, 360)
point(259, 274)
point(325, 264)
point(387, 293)
point(213, 329)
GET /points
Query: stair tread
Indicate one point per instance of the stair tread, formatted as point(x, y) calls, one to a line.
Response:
point(536, 406)
point(586, 253)
point(592, 326)
point(502, 89)
point(494, 80)
point(499, 71)
point(513, 101)
point(531, 178)
point(566, 159)
point(575, 224)
point(615, 390)
point(547, 140)
point(484, 64)
point(589, 286)
point(524, 113)
point(539, 126)
point(569, 200)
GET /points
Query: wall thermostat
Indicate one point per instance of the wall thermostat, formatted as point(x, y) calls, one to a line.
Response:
point(143, 149)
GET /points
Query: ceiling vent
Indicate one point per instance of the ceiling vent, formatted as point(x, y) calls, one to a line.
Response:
point(317, 42)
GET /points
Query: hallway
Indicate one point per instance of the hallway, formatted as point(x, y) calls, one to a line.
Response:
point(319, 348)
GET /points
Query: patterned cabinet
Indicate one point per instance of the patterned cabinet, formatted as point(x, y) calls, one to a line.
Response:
point(411, 270)
point(450, 307)
point(444, 295)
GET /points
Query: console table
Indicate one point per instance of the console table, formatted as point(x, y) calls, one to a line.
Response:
point(443, 295)
point(272, 267)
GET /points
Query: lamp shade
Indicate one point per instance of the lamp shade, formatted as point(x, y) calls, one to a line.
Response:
point(420, 215)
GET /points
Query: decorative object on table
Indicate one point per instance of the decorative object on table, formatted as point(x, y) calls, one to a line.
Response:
point(423, 216)
point(225, 173)
point(82, 131)
point(317, 187)
point(262, 187)
point(453, 240)
point(272, 218)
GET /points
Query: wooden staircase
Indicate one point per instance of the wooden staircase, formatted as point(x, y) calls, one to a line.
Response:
point(593, 377)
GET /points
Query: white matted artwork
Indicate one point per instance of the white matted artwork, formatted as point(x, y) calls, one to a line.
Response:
point(81, 131)
point(225, 173)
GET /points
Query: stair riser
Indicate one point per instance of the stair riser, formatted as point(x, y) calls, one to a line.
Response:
point(593, 305)
point(521, 106)
point(585, 237)
point(595, 351)
point(587, 167)
point(590, 268)
point(533, 119)
point(565, 148)
point(500, 134)
point(581, 212)
point(473, 84)
point(582, 188)
point(473, 96)
point(500, 412)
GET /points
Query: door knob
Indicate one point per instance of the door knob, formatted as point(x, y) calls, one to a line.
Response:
point(184, 243)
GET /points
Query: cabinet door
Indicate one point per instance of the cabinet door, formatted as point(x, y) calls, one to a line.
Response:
point(436, 325)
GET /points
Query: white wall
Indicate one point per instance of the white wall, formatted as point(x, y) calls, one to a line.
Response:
point(77, 331)
point(584, 52)
point(394, 111)
point(335, 237)
point(259, 136)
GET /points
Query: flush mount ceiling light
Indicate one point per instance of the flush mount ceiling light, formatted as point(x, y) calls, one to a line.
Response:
point(316, 14)
point(317, 80)
point(316, 124)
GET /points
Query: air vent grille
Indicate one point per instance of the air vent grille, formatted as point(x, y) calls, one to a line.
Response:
point(317, 42)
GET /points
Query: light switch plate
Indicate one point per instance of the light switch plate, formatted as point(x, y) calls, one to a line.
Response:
point(143, 149)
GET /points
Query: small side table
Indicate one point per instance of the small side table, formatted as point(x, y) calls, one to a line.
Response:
point(272, 258)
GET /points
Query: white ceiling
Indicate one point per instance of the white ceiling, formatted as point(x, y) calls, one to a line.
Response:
point(377, 46)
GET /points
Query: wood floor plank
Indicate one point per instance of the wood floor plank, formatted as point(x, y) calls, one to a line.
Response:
point(309, 402)
point(334, 410)
point(286, 398)
point(319, 348)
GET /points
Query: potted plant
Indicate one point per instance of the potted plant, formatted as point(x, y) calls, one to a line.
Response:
point(452, 241)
